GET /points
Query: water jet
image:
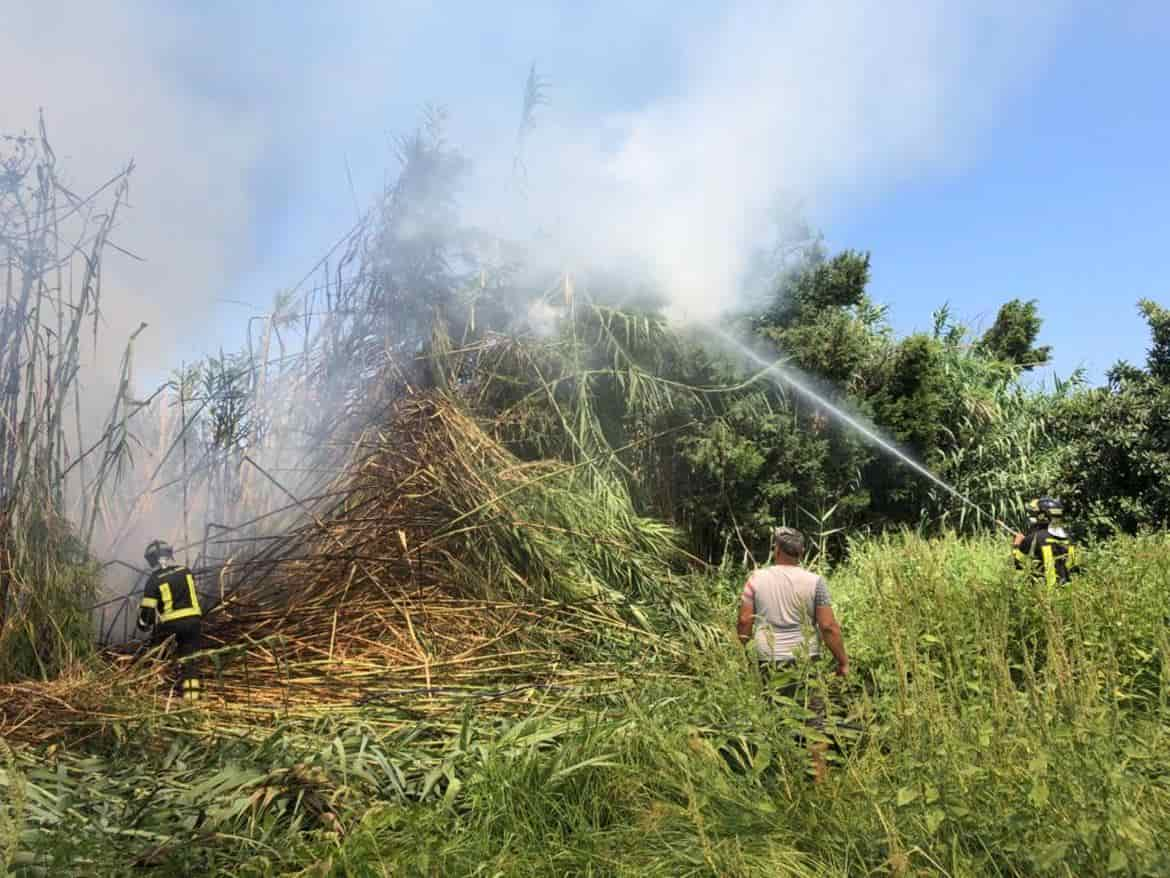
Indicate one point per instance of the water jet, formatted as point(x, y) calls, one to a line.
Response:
point(782, 376)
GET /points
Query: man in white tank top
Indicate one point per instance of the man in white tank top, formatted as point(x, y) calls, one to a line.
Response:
point(791, 606)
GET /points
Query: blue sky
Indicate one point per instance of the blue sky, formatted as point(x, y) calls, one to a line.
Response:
point(1064, 201)
point(981, 151)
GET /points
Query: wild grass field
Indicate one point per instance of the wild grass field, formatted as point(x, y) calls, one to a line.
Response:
point(472, 579)
point(1005, 730)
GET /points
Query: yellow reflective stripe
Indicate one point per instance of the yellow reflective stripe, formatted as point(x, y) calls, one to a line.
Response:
point(1021, 556)
point(1049, 565)
point(184, 613)
point(194, 594)
point(150, 603)
point(192, 689)
point(168, 612)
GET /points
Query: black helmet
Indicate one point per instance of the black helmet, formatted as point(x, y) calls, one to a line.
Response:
point(1044, 509)
point(156, 550)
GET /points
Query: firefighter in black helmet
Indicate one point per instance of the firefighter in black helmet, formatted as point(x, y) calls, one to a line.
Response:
point(170, 606)
point(1046, 548)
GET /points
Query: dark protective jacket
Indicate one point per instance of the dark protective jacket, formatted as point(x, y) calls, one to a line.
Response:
point(1048, 550)
point(169, 595)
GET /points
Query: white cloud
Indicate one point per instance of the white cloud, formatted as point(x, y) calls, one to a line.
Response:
point(818, 101)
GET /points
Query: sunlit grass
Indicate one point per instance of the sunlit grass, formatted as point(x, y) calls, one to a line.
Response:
point(1007, 730)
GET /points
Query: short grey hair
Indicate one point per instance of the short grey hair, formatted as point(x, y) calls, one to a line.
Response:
point(789, 540)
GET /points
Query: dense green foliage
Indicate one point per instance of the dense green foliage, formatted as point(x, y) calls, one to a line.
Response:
point(1113, 442)
point(724, 451)
point(754, 452)
point(1011, 337)
point(1007, 730)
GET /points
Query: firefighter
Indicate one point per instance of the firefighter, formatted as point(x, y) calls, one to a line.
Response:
point(170, 606)
point(1046, 548)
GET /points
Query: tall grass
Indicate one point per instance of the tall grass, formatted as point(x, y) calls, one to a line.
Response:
point(1008, 730)
point(52, 245)
point(1020, 725)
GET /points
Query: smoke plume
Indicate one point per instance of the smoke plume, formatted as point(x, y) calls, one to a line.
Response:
point(820, 105)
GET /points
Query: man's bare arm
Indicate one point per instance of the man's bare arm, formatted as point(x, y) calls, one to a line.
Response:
point(830, 630)
point(743, 625)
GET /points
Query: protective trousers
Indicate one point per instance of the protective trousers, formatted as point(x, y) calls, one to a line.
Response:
point(188, 639)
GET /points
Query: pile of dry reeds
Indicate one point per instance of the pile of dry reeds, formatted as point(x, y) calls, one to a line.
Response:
point(440, 570)
point(79, 703)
